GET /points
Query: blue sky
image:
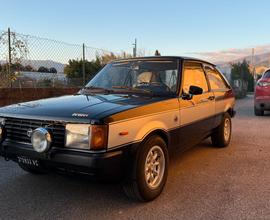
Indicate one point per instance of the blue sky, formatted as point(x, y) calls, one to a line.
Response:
point(173, 27)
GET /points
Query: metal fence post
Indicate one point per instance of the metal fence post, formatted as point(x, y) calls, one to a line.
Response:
point(135, 48)
point(9, 58)
point(83, 66)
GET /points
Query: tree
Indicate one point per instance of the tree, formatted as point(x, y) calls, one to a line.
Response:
point(18, 51)
point(18, 46)
point(43, 69)
point(157, 53)
point(29, 68)
point(52, 70)
point(74, 69)
point(106, 58)
point(242, 71)
point(17, 66)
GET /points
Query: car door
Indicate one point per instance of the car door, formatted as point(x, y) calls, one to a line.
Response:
point(196, 114)
point(222, 91)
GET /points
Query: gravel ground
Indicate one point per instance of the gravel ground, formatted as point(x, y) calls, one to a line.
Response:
point(204, 183)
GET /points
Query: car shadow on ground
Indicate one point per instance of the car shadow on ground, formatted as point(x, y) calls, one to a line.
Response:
point(64, 195)
point(38, 194)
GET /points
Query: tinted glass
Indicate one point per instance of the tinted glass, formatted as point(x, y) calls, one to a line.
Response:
point(267, 74)
point(194, 76)
point(160, 76)
point(215, 79)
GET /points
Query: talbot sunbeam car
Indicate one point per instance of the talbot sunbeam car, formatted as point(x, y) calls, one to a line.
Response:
point(122, 124)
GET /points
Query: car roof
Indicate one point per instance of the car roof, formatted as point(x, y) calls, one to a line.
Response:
point(164, 58)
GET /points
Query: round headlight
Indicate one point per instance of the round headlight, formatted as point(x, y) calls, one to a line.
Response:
point(2, 134)
point(41, 140)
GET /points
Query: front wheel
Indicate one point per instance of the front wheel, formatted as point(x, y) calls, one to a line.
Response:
point(258, 112)
point(222, 134)
point(149, 170)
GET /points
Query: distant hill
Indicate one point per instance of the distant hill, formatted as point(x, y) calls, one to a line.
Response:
point(261, 62)
point(46, 63)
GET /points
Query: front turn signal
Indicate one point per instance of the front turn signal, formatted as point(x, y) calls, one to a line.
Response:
point(98, 137)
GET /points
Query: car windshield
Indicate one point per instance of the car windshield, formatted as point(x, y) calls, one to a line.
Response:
point(158, 77)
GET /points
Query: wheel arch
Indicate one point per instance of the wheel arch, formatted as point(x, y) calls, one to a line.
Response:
point(160, 132)
point(231, 112)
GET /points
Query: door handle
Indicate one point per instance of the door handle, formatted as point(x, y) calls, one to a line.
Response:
point(204, 100)
point(211, 98)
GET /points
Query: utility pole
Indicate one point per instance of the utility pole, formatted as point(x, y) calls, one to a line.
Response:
point(83, 65)
point(253, 68)
point(252, 59)
point(135, 48)
point(9, 58)
point(252, 63)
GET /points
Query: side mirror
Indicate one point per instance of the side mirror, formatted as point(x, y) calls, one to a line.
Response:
point(187, 96)
point(195, 90)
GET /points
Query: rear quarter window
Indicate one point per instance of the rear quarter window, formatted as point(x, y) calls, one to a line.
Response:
point(215, 79)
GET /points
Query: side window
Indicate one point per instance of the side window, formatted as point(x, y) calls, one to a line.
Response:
point(194, 76)
point(215, 79)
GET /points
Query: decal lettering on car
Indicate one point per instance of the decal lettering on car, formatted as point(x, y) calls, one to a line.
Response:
point(79, 115)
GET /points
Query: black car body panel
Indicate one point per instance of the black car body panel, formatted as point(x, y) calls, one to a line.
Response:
point(101, 165)
point(177, 120)
point(77, 108)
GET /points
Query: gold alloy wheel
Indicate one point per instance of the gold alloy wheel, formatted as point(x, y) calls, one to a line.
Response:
point(227, 129)
point(154, 167)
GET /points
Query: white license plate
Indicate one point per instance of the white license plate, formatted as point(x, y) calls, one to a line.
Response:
point(28, 161)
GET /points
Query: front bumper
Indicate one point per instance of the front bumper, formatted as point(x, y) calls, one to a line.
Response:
point(101, 165)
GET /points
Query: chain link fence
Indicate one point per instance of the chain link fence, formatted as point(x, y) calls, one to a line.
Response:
point(32, 62)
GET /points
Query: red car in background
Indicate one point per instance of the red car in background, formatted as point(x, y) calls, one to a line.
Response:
point(262, 95)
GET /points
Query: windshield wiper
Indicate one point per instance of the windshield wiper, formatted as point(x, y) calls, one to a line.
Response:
point(117, 89)
point(96, 88)
point(132, 89)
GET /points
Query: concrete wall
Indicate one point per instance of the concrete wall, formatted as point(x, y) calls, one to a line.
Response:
point(16, 95)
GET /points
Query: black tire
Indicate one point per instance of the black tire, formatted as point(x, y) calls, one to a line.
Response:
point(136, 186)
point(258, 112)
point(221, 137)
point(32, 169)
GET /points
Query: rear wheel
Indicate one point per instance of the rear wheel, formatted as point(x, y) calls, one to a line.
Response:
point(258, 112)
point(32, 169)
point(222, 135)
point(149, 170)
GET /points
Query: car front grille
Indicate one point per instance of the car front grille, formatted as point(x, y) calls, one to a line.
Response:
point(17, 130)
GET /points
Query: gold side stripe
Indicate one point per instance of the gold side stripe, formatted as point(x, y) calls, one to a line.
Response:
point(144, 116)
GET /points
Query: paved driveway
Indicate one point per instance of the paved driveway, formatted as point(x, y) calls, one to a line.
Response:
point(204, 183)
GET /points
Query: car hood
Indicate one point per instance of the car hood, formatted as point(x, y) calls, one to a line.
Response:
point(77, 108)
